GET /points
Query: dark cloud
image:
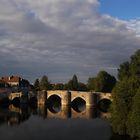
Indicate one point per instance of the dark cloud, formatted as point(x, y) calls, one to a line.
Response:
point(60, 38)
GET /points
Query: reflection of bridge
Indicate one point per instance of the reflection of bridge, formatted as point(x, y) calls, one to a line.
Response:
point(68, 112)
point(67, 97)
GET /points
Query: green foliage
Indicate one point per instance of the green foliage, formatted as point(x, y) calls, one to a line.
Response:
point(125, 108)
point(58, 86)
point(72, 84)
point(133, 122)
point(91, 83)
point(104, 82)
point(36, 85)
point(65, 87)
point(129, 69)
point(82, 87)
point(44, 83)
point(123, 94)
point(135, 64)
point(123, 71)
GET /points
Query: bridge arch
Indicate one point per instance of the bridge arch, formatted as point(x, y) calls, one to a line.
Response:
point(98, 96)
point(104, 104)
point(15, 95)
point(54, 103)
point(54, 97)
point(78, 104)
point(86, 96)
point(104, 101)
point(65, 96)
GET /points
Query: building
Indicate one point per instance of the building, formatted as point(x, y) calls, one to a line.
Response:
point(12, 80)
point(15, 81)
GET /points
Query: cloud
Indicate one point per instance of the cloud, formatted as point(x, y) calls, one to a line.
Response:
point(134, 24)
point(62, 37)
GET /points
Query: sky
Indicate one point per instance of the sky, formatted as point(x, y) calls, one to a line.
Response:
point(122, 9)
point(60, 38)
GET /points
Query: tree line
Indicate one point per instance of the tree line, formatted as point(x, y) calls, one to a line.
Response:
point(125, 109)
point(103, 82)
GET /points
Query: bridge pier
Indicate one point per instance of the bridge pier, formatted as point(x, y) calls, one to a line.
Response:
point(66, 100)
point(41, 98)
point(90, 99)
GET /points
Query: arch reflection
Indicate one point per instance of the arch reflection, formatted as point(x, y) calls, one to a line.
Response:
point(16, 101)
point(13, 115)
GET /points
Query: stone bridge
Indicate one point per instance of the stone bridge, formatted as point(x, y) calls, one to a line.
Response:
point(67, 97)
point(20, 96)
point(14, 95)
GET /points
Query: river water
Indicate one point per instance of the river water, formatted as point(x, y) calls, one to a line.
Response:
point(62, 123)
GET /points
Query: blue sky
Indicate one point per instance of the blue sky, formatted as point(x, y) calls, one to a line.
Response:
point(123, 9)
point(60, 38)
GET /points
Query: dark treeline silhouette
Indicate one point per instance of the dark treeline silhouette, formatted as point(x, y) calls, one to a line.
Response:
point(103, 82)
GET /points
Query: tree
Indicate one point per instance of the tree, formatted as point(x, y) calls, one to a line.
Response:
point(126, 98)
point(66, 86)
point(72, 84)
point(82, 87)
point(24, 83)
point(104, 82)
point(75, 82)
point(91, 83)
point(58, 86)
point(44, 83)
point(36, 85)
point(124, 71)
point(132, 68)
point(69, 85)
point(134, 117)
point(135, 64)
point(122, 95)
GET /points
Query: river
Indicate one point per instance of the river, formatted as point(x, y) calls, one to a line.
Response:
point(62, 123)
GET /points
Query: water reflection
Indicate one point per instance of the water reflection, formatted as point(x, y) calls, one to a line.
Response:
point(89, 126)
point(13, 115)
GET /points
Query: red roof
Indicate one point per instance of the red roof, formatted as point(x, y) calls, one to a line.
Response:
point(8, 79)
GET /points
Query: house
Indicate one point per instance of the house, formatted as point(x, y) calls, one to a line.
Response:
point(11, 80)
point(15, 81)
